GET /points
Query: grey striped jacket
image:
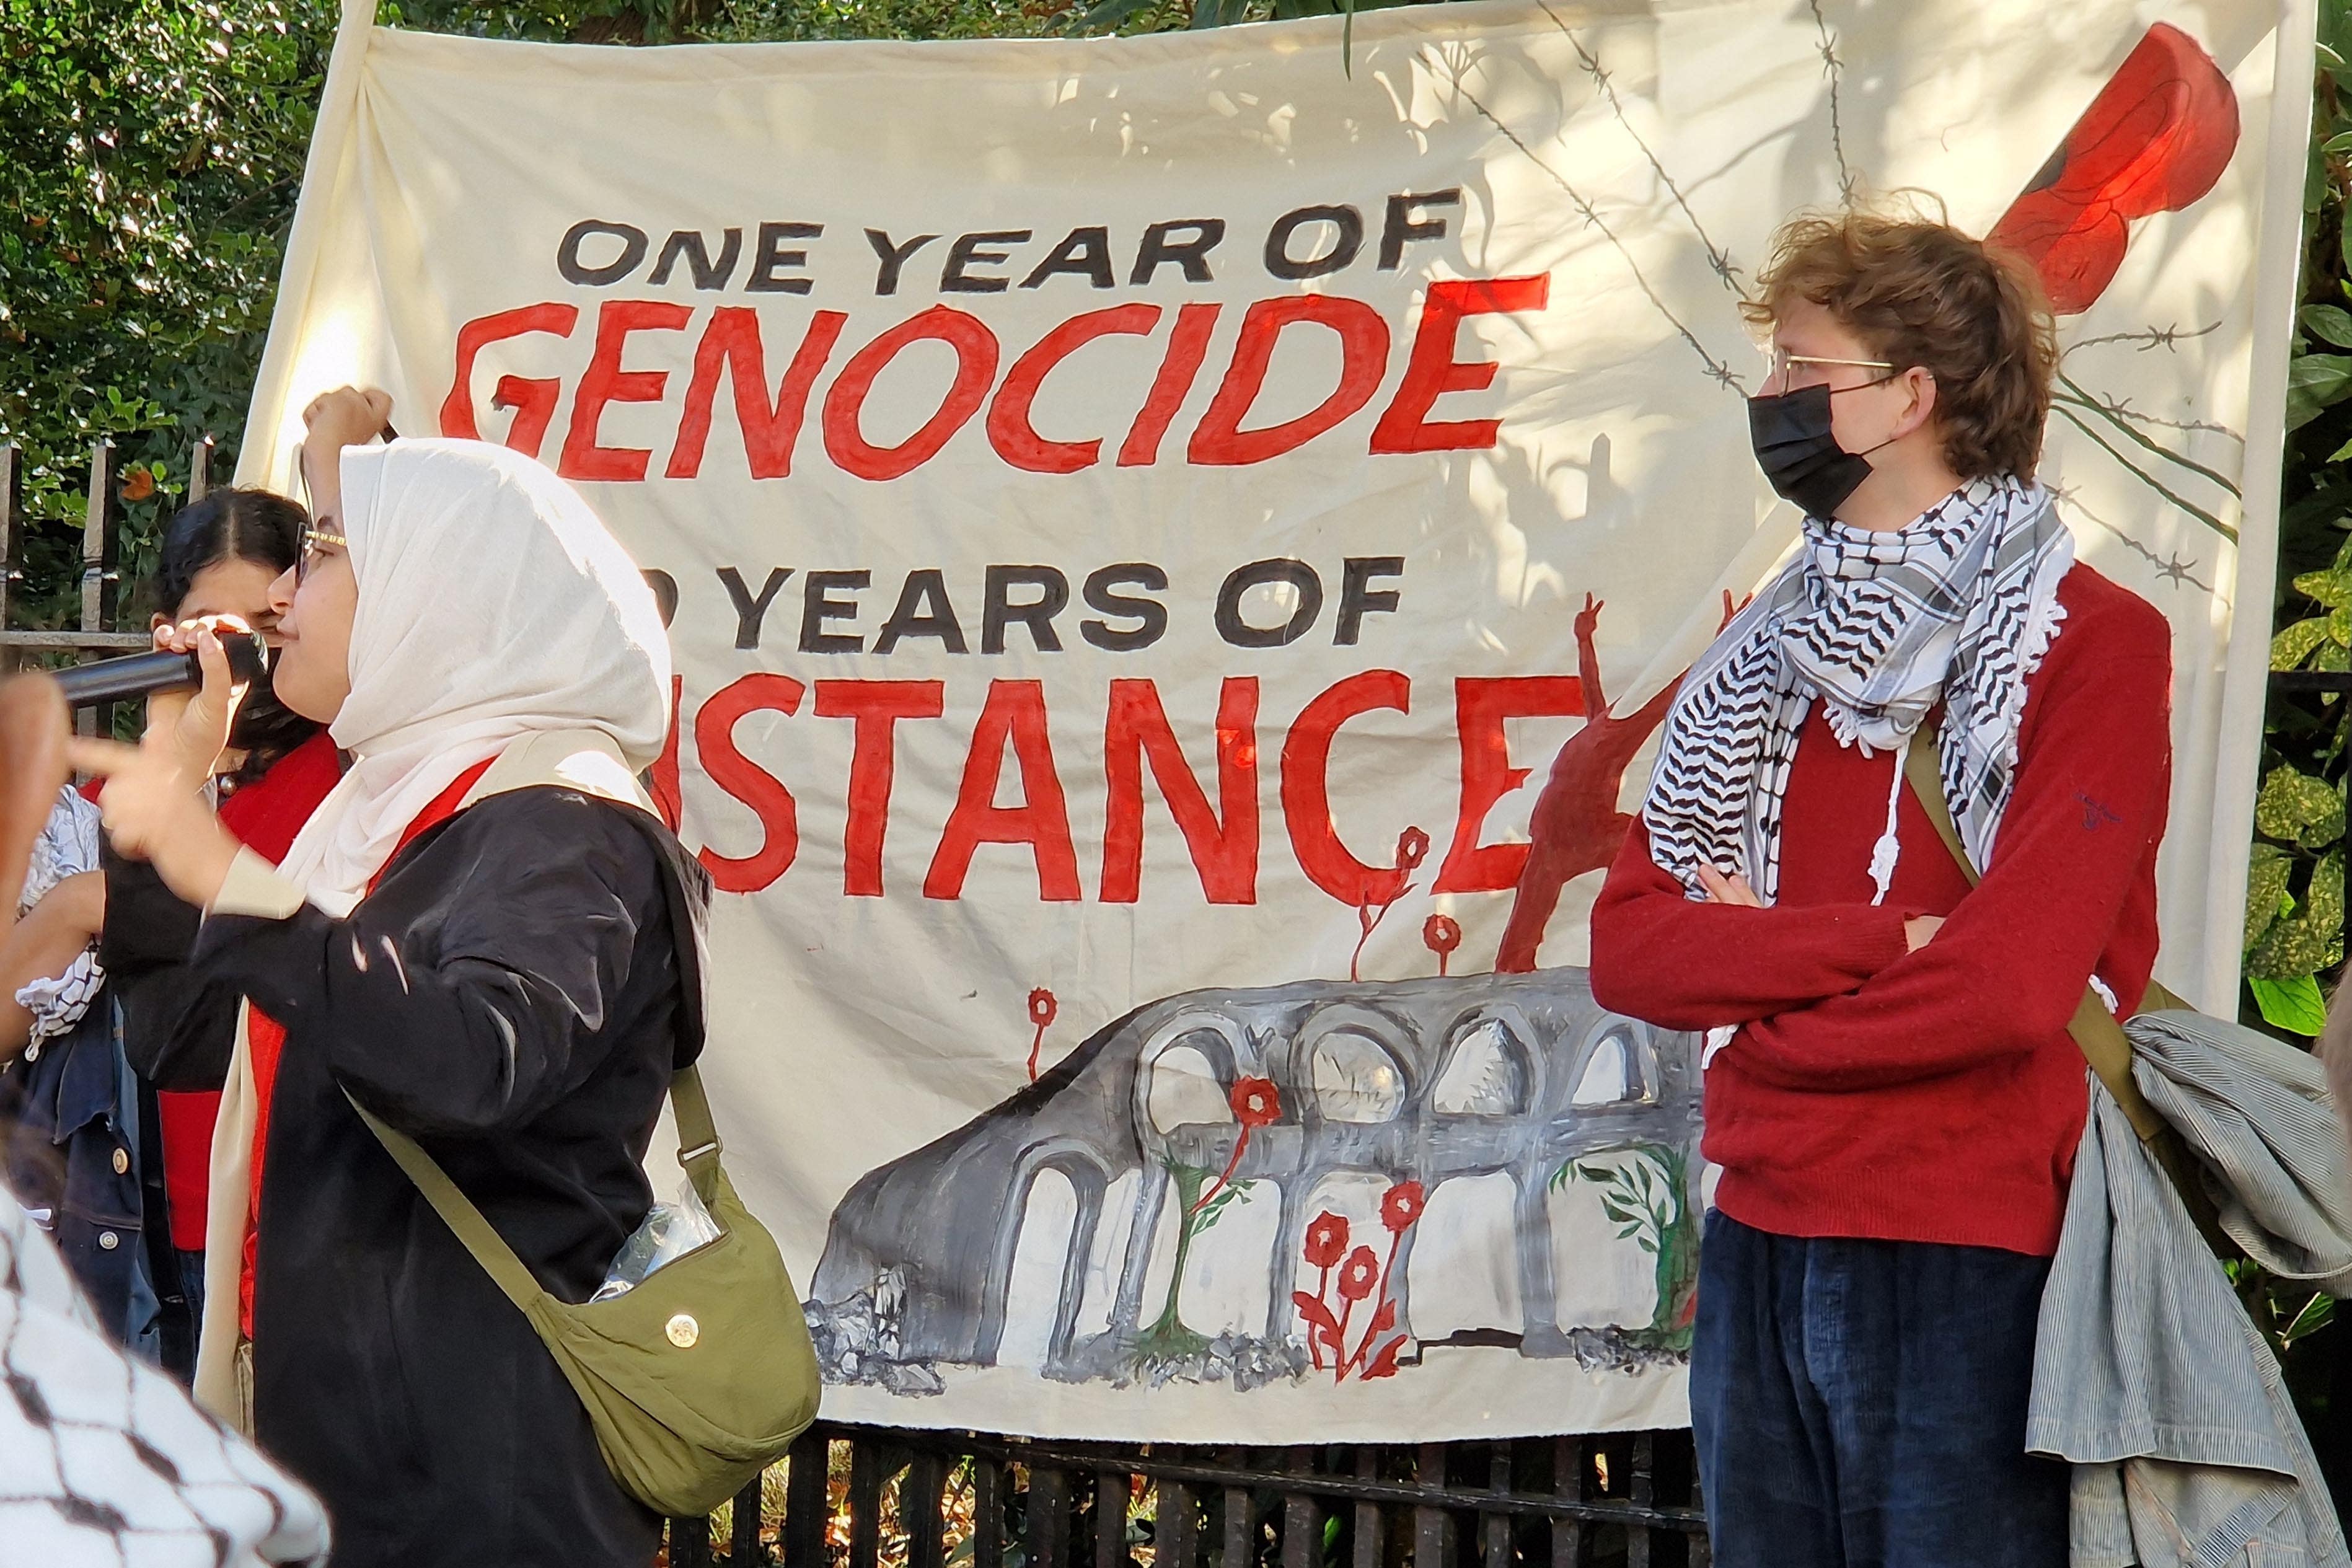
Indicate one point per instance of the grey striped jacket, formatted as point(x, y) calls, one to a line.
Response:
point(2149, 1376)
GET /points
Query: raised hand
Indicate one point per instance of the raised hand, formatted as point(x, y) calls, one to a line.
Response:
point(349, 416)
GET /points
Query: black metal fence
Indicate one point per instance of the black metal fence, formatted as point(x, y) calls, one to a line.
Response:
point(862, 1496)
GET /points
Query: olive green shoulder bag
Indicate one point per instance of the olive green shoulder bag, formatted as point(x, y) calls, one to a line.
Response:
point(2094, 1029)
point(698, 1378)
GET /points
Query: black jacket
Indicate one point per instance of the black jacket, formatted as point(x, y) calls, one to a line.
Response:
point(178, 1025)
point(514, 994)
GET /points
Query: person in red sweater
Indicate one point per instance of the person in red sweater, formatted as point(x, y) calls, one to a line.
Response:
point(1893, 1101)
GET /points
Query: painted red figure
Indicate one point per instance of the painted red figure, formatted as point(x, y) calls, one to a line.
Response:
point(1576, 826)
point(2155, 139)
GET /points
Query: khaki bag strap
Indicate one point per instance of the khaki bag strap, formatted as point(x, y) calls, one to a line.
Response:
point(2102, 1040)
point(2097, 1032)
point(697, 1135)
point(697, 1152)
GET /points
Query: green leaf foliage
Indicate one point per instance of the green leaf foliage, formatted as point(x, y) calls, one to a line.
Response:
point(2297, 808)
point(154, 152)
point(2298, 642)
point(2266, 894)
point(2300, 944)
point(2328, 323)
point(2314, 1314)
point(2294, 1005)
point(2315, 382)
point(2294, 893)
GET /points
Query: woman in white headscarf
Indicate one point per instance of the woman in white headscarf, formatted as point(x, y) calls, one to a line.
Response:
point(475, 937)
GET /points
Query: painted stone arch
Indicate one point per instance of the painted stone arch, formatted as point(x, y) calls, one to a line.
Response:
point(1354, 1064)
point(1488, 1067)
point(1056, 1255)
point(1185, 1073)
point(1618, 1065)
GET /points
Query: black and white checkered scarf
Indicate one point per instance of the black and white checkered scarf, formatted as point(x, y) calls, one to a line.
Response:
point(1959, 607)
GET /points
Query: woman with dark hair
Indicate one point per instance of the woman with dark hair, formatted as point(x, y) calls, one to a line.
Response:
point(218, 559)
point(104, 945)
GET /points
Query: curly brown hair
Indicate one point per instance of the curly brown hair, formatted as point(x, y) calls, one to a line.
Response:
point(1924, 294)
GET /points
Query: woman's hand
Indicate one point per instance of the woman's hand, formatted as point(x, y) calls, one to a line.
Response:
point(347, 416)
point(198, 723)
point(153, 805)
point(153, 813)
point(1920, 930)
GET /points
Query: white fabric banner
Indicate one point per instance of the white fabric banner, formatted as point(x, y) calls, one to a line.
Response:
point(1157, 526)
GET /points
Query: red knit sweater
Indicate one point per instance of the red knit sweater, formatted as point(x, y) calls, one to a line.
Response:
point(1935, 1095)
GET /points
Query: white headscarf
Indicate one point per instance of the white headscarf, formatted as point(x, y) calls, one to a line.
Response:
point(492, 603)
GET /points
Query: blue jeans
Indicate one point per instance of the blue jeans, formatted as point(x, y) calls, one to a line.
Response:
point(1862, 1405)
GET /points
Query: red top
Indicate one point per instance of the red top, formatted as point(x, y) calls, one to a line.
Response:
point(1935, 1095)
point(264, 816)
point(266, 1042)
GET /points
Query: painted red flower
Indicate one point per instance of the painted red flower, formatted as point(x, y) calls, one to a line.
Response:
point(1359, 1274)
point(1042, 1010)
point(1256, 1102)
point(1441, 934)
point(1412, 848)
point(1401, 1206)
point(1326, 1239)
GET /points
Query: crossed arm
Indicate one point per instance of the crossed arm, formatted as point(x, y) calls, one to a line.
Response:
point(1833, 995)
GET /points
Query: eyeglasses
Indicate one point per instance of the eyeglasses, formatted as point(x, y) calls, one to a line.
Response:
point(316, 542)
point(1792, 371)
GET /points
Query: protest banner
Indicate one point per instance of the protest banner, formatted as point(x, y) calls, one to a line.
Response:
point(1177, 548)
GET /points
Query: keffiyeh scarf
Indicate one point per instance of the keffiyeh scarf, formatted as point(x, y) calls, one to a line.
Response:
point(1959, 607)
point(107, 1462)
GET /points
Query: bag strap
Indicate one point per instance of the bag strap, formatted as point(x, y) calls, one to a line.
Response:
point(2095, 1031)
point(457, 1210)
point(699, 1149)
point(698, 1144)
point(2103, 1041)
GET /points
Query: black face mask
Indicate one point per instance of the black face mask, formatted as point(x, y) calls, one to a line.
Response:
point(1800, 458)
